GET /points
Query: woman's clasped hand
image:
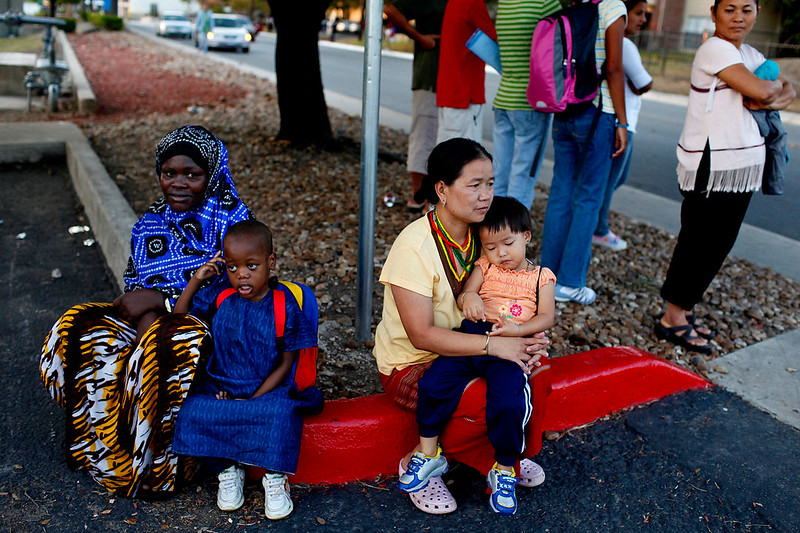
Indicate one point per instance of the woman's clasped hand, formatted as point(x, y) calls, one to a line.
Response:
point(526, 352)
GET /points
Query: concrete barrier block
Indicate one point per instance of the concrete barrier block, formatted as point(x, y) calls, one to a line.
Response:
point(361, 438)
point(13, 68)
point(593, 384)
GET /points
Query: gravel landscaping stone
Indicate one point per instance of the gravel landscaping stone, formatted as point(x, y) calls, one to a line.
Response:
point(310, 198)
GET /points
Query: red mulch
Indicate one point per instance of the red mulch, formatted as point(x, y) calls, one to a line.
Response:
point(146, 87)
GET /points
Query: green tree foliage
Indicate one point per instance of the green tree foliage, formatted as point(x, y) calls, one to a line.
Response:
point(346, 5)
point(105, 21)
point(249, 7)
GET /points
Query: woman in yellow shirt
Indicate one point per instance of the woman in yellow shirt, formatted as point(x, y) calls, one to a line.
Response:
point(423, 275)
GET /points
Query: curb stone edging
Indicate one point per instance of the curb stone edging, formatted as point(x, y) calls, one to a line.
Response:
point(87, 101)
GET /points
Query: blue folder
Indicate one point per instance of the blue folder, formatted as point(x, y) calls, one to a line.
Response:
point(486, 48)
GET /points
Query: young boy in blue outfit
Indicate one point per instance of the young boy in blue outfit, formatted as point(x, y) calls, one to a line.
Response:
point(248, 411)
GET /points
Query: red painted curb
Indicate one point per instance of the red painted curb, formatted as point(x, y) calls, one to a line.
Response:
point(590, 385)
point(361, 438)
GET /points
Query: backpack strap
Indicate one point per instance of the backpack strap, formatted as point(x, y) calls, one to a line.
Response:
point(279, 304)
point(221, 297)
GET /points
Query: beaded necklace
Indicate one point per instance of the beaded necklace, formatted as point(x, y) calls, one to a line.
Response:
point(463, 254)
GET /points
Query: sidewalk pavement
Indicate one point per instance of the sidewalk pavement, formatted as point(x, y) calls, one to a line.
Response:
point(698, 461)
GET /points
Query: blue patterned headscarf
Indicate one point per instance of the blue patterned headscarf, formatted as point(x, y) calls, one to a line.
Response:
point(167, 246)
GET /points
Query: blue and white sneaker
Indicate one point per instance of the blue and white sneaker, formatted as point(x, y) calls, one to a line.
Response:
point(421, 469)
point(580, 295)
point(503, 484)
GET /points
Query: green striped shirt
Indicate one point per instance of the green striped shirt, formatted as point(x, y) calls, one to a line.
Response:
point(608, 12)
point(516, 20)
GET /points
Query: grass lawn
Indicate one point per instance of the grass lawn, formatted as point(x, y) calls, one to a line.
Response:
point(29, 43)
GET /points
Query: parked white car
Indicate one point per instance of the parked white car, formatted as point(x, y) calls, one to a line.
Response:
point(228, 31)
point(174, 24)
point(251, 28)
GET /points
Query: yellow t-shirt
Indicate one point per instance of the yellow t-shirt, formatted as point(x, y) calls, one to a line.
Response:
point(413, 263)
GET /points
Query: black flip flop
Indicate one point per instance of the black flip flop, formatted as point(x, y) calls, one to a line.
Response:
point(682, 336)
point(692, 320)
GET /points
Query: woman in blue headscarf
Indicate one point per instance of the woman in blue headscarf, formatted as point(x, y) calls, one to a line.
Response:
point(122, 370)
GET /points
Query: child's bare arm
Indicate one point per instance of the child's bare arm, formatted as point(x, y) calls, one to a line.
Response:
point(278, 375)
point(469, 301)
point(208, 270)
point(544, 319)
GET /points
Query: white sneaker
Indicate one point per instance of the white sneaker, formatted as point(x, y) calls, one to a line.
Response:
point(230, 495)
point(581, 295)
point(277, 501)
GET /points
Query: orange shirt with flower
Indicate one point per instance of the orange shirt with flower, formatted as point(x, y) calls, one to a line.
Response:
point(510, 293)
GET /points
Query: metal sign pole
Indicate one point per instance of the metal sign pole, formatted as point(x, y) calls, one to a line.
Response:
point(370, 104)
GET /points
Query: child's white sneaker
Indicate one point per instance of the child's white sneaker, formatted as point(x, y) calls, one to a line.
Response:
point(230, 495)
point(277, 501)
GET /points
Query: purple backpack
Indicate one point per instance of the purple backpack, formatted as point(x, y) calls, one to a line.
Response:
point(564, 74)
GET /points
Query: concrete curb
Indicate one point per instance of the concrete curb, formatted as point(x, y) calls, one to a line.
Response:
point(14, 66)
point(87, 101)
point(109, 213)
point(370, 433)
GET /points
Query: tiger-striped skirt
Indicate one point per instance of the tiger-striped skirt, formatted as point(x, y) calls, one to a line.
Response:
point(121, 398)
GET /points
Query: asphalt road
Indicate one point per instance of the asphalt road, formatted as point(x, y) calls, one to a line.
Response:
point(654, 160)
point(701, 461)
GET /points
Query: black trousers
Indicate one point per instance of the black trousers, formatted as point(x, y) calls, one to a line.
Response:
point(710, 223)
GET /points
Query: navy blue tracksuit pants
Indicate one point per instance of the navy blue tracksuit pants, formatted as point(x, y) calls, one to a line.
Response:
point(508, 400)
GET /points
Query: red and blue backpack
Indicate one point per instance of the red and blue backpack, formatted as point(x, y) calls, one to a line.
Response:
point(305, 370)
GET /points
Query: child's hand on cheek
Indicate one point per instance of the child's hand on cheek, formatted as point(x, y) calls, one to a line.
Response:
point(212, 267)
